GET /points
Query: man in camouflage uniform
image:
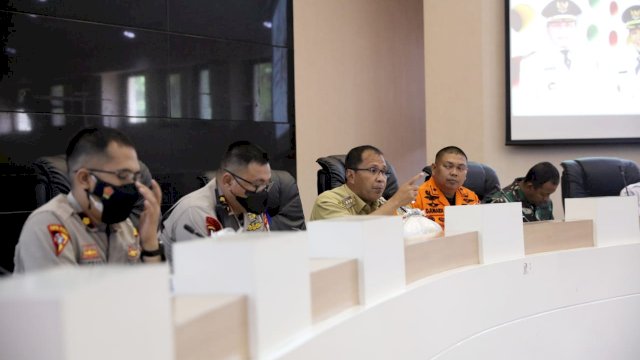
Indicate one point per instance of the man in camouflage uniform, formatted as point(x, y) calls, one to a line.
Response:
point(533, 191)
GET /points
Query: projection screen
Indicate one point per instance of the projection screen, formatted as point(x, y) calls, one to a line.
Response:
point(574, 71)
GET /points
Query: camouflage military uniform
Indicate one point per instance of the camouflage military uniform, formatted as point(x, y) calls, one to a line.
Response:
point(513, 193)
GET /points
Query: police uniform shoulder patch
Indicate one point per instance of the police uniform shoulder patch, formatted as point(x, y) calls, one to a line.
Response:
point(59, 237)
point(348, 201)
point(212, 224)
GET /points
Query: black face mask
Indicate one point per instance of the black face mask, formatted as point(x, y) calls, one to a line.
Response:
point(117, 201)
point(255, 203)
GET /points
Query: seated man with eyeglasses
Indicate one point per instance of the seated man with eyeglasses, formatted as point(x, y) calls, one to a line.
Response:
point(444, 187)
point(236, 198)
point(91, 224)
point(366, 179)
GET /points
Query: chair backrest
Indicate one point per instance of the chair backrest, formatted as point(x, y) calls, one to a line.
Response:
point(481, 178)
point(332, 174)
point(51, 180)
point(597, 176)
point(283, 205)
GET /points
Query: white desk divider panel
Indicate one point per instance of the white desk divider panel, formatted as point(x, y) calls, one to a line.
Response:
point(272, 270)
point(78, 313)
point(615, 218)
point(499, 228)
point(376, 241)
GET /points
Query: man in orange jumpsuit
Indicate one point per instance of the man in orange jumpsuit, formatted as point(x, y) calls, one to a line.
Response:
point(444, 187)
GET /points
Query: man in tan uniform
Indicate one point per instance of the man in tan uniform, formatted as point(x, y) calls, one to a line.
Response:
point(90, 225)
point(236, 199)
point(366, 179)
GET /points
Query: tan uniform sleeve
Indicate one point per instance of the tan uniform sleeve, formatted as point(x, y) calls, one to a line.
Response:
point(36, 249)
point(328, 205)
point(194, 217)
point(175, 231)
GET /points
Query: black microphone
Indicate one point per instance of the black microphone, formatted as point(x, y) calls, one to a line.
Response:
point(192, 230)
point(624, 179)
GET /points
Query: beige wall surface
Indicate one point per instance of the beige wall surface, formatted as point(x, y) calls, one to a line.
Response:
point(359, 79)
point(465, 92)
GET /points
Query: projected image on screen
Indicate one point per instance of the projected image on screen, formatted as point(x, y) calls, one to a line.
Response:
point(575, 71)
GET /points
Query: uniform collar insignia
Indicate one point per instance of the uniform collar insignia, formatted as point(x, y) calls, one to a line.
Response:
point(86, 220)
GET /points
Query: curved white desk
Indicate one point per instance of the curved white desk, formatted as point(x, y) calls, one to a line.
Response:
point(573, 304)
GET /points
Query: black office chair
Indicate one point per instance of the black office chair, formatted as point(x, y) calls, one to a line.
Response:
point(283, 204)
point(481, 178)
point(332, 174)
point(597, 176)
point(51, 180)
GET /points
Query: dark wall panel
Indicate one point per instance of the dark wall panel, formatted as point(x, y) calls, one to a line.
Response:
point(140, 13)
point(89, 63)
point(265, 21)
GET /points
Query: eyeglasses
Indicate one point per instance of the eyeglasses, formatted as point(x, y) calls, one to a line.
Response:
point(257, 188)
point(374, 171)
point(122, 174)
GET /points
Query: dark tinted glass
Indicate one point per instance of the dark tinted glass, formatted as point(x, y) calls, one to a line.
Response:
point(214, 79)
point(139, 13)
point(263, 21)
point(75, 67)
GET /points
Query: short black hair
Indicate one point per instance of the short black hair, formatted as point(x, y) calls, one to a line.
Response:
point(241, 153)
point(354, 157)
point(541, 173)
point(450, 150)
point(90, 142)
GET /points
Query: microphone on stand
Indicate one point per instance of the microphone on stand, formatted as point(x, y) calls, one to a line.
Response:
point(624, 179)
point(192, 230)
